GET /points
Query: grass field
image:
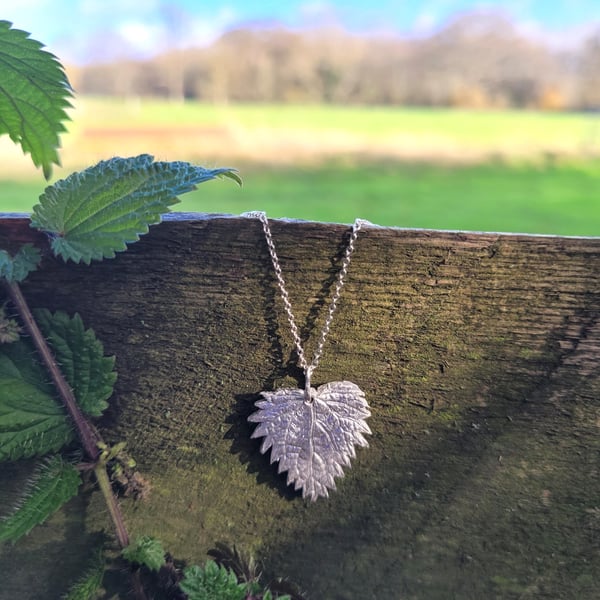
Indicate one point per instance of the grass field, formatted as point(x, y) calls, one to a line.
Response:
point(494, 171)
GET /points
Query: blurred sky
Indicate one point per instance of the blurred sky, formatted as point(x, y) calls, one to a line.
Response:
point(82, 31)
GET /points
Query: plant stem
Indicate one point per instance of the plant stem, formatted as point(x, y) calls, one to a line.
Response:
point(89, 438)
point(113, 506)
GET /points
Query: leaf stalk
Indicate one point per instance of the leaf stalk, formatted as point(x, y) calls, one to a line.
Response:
point(111, 502)
point(89, 438)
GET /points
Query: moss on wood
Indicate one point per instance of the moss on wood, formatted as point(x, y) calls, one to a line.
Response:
point(478, 354)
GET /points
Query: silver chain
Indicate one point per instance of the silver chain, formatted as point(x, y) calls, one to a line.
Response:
point(308, 368)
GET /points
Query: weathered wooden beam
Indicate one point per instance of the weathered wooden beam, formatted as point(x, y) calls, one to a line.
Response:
point(479, 355)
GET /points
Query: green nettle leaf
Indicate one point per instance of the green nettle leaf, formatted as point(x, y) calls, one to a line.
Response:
point(55, 482)
point(212, 581)
point(19, 361)
point(32, 419)
point(94, 213)
point(17, 267)
point(34, 93)
point(147, 551)
point(80, 355)
point(32, 422)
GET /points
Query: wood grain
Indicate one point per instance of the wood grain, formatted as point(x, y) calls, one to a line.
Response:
point(478, 353)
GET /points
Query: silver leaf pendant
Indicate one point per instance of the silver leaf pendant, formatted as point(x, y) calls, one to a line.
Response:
point(312, 440)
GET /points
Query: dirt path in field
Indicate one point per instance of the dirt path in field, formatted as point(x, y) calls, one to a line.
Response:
point(280, 146)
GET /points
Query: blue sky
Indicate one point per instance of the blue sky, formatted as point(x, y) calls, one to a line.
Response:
point(83, 30)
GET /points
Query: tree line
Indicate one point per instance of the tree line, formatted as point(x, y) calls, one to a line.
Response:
point(479, 60)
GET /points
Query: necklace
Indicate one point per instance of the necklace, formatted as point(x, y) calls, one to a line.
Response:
point(311, 432)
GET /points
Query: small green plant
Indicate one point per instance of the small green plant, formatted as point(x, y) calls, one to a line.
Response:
point(147, 551)
point(247, 572)
point(212, 581)
point(230, 575)
point(215, 581)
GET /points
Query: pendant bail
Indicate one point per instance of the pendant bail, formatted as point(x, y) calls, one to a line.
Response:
point(308, 396)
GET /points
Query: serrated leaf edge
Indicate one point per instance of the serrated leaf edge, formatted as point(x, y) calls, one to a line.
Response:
point(54, 327)
point(105, 219)
point(311, 487)
point(53, 473)
point(43, 152)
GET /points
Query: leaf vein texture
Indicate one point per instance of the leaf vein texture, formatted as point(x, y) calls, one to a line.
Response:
point(312, 441)
point(95, 213)
point(34, 96)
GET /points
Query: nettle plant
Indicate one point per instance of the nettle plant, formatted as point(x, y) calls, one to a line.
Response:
point(54, 377)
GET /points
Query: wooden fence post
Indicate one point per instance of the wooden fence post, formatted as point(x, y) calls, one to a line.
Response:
point(478, 353)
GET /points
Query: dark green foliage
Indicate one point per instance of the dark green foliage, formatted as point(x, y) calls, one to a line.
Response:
point(34, 93)
point(17, 267)
point(32, 422)
point(55, 482)
point(94, 213)
point(19, 360)
point(147, 551)
point(213, 582)
point(81, 358)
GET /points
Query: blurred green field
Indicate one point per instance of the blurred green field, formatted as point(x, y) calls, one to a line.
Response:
point(488, 131)
point(517, 171)
point(562, 199)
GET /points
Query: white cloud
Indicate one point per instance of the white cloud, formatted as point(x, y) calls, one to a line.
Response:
point(114, 29)
point(143, 38)
point(147, 37)
point(318, 13)
point(201, 31)
point(425, 21)
point(315, 9)
point(431, 15)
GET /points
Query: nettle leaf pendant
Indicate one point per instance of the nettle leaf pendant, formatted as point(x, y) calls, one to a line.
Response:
point(313, 439)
